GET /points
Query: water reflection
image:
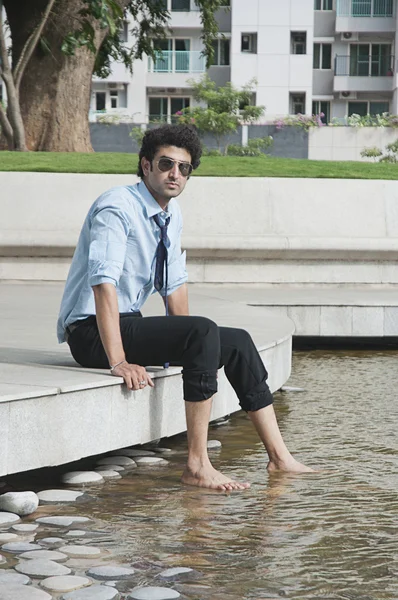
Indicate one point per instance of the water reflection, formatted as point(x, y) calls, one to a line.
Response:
point(329, 535)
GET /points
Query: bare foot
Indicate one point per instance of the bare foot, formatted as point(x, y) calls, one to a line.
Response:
point(290, 465)
point(208, 477)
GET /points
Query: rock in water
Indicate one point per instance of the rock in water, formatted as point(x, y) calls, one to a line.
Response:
point(20, 503)
point(153, 593)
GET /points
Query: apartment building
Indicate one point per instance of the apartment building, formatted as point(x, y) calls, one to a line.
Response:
point(307, 56)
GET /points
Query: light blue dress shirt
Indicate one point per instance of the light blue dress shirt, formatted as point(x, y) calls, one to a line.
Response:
point(117, 245)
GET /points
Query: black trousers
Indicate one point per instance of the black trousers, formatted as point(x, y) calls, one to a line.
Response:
point(195, 343)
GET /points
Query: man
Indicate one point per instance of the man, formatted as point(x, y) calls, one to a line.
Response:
point(118, 263)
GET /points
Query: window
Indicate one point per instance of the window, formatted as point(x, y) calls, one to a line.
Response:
point(297, 103)
point(298, 42)
point(173, 56)
point(322, 56)
point(177, 104)
point(368, 108)
point(165, 108)
point(114, 98)
point(1, 93)
point(100, 100)
point(221, 52)
point(323, 4)
point(321, 108)
point(378, 108)
point(370, 60)
point(249, 43)
point(181, 5)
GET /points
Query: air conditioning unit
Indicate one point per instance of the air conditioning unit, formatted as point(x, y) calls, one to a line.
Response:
point(349, 36)
point(171, 90)
point(348, 95)
point(115, 86)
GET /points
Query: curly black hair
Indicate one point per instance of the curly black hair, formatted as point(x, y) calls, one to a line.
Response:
point(181, 136)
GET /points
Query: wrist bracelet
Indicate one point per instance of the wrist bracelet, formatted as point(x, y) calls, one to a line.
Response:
point(117, 364)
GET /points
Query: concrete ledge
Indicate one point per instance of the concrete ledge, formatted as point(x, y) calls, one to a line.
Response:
point(235, 229)
point(53, 411)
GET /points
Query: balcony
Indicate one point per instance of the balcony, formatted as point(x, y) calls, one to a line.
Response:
point(364, 73)
point(172, 68)
point(365, 16)
point(177, 61)
point(184, 14)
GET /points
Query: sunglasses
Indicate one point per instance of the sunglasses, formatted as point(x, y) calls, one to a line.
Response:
point(166, 164)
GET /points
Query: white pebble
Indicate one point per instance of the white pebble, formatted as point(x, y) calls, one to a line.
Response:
point(25, 528)
point(76, 533)
point(123, 461)
point(62, 521)
point(15, 591)
point(64, 583)
point(7, 537)
point(117, 468)
point(109, 474)
point(41, 568)
point(151, 460)
point(213, 444)
point(57, 496)
point(20, 503)
point(82, 477)
point(94, 592)
point(45, 555)
point(81, 551)
point(7, 518)
point(153, 593)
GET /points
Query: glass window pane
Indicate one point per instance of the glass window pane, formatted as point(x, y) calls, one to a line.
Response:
point(358, 108)
point(317, 4)
point(361, 8)
point(315, 107)
point(378, 108)
point(224, 52)
point(326, 56)
point(100, 98)
point(158, 109)
point(180, 5)
point(317, 56)
point(327, 4)
point(325, 111)
point(215, 60)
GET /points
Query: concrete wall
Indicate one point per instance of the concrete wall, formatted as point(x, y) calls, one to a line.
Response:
point(277, 71)
point(287, 231)
point(346, 143)
point(289, 142)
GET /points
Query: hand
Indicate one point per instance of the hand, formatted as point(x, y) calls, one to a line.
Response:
point(135, 376)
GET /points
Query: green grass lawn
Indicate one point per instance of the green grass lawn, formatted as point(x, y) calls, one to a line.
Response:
point(217, 166)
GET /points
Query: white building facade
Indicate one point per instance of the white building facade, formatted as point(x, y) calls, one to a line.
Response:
point(335, 57)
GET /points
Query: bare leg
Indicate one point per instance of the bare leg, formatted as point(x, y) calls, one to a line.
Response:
point(280, 459)
point(199, 470)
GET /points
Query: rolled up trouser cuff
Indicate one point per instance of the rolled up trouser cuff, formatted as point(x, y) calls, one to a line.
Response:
point(199, 385)
point(258, 397)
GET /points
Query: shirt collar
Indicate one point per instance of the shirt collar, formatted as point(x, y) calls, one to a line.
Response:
point(150, 205)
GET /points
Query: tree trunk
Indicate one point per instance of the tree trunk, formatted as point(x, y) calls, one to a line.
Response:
point(55, 88)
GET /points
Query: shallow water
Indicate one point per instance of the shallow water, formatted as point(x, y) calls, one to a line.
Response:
point(332, 534)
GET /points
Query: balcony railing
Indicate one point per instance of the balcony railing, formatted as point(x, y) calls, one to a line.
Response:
point(177, 61)
point(365, 8)
point(364, 66)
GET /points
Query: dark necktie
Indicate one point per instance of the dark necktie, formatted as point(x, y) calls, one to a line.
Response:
point(161, 267)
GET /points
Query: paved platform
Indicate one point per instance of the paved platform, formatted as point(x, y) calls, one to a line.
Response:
point(53, 411)
point(322, 310)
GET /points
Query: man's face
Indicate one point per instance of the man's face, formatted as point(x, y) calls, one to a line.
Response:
point(168, 184)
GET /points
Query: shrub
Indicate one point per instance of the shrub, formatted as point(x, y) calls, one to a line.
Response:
point(255, 147)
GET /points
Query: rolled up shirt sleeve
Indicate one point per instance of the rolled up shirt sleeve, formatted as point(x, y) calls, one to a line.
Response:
point(108, 242)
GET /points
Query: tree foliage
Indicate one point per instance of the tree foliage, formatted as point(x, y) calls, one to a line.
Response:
point(65, 32)
point(227, 108)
